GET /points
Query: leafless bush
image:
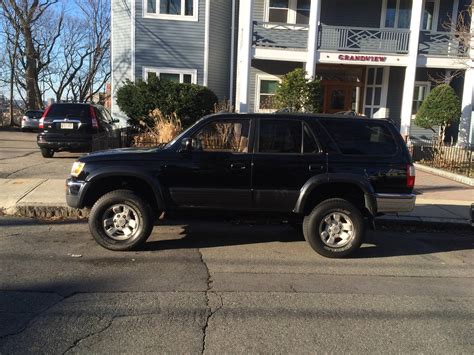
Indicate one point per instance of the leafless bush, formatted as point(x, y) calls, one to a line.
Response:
point(164, 129)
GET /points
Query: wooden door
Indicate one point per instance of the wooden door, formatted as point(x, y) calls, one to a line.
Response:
point(337, 98)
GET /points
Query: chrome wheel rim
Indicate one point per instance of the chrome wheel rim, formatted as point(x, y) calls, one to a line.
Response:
point(121, 222)
point(336, 230)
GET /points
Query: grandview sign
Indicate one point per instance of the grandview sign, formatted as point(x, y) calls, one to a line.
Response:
point(362, 58)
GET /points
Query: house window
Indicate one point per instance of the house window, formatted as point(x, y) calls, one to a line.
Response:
point(373, 91)
point(266, 90)
point(289, 11)
point(172, 9)
point(430, 15)
point(188, 76)
point(422, 89)
point(396, 13)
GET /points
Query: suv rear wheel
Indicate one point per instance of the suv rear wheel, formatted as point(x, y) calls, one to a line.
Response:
point(121, 220)
point(47, 153)
point(335, 228)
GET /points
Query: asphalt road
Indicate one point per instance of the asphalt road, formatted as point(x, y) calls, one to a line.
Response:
point(20, 157)
point(228, 288)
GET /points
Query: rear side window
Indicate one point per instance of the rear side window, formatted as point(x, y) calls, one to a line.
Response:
point(69, 111)
point(359, 137)
point(278, 136)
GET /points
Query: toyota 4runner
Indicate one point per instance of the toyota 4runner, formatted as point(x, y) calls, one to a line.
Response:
point(333, 173)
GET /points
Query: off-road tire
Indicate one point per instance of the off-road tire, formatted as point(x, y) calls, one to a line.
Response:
point(313, 222)
point(130, 199)
point(47, 153)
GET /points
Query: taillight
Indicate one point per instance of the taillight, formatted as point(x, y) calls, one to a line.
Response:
point(41, 121)
point(411, 176)
point(95, 124)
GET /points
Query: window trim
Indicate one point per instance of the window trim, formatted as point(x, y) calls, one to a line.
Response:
point(167, 70)
point(434, 24)
point(264, 77)
point(194, 17)
point(427, 84)
point(291, 16)
point(383, 15)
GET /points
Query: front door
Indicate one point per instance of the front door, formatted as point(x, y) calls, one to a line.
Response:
point(217, 173)
point(337, 98)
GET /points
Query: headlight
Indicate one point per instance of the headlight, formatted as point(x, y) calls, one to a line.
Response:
point(77, 168)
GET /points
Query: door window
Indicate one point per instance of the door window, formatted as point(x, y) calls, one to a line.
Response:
point(310, 146)
point(224, 136)
point(373, 92)
point(280, 136)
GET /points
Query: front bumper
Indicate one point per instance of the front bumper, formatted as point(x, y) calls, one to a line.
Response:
point(387, 203)
point(75, 193)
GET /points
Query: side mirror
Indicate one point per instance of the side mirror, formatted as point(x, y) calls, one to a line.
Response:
point(187, 145)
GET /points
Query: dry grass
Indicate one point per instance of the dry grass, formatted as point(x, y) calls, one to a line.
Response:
point(164, 129)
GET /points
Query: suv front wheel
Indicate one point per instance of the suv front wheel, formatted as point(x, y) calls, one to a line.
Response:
point(335, 228)
point(121, 220)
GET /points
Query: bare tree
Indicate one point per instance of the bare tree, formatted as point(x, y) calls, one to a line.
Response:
point(95, 72)
point(38, 40)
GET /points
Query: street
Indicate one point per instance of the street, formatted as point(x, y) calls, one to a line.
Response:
point(218, 287)
point(20, 157)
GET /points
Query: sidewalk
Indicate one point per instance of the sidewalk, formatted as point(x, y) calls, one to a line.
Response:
point(439, 200)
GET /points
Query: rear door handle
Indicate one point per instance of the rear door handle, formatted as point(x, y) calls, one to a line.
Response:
point(238, 166)
point(316, 167)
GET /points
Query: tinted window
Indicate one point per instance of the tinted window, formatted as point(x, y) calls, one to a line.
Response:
point(36, 114)
point(280, 136)
point(69, 111)
point(224, 136)
point(359, 137)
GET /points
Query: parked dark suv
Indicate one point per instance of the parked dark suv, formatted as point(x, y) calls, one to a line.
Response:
point(74, 127)
point(334, 173)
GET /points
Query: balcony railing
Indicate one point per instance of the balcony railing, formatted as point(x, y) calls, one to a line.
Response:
point(361, 39)
point(280, 35)
point(444, 44)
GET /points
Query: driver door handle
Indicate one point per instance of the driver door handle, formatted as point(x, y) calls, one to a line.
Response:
point(316, 167)
point(238, 166)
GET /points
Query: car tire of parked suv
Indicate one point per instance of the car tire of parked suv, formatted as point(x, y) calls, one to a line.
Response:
point(335, 228)
point(121, 220)
point(47, 153)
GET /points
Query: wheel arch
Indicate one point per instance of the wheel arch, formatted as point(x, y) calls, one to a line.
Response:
point(101, 183)
point(350, 187)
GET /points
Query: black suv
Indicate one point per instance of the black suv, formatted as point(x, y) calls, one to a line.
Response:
point(334, 173)
point(74, 127)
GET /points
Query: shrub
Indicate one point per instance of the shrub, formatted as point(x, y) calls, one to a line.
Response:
point(296, 93)
point(440, 108)
point(188, 101)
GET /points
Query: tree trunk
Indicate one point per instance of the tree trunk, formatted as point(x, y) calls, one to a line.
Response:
point(31, 73)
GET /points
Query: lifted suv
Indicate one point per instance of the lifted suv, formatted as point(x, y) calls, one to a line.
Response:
point(334, 173)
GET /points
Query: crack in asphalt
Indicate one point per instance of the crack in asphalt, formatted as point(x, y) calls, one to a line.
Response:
point(36, 315)
point(209, 311)
point(78, 341)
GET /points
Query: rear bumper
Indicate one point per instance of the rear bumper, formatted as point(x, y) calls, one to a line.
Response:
point(395, 202)
point(74, 193)
point(64, 143)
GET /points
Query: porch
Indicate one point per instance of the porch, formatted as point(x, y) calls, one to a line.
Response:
point(355, 39)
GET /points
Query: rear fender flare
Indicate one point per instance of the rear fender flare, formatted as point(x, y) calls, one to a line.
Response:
point(352, 179)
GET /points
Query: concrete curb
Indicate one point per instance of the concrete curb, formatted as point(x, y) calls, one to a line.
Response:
point(60, 212)
point(428, 220)
point(446, 174)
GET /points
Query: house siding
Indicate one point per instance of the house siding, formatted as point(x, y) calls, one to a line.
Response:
point(395, 92)
point(169, 43)
point(267, 67)
point(220, 23)
point(259, 10)
point(351, 13)
point(121, 45)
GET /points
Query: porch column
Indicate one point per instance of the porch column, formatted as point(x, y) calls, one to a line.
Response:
point(314, 16)
point(466, 123)
point(244, 55)
point(410, 70)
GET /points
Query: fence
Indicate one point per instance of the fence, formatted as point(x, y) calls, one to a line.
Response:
point(458, 160)
point(122, 139)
